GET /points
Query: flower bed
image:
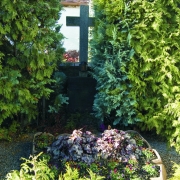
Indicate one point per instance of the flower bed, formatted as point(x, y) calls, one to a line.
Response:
point(114, 154)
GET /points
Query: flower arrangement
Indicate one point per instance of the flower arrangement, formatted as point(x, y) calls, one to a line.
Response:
point(114, 154)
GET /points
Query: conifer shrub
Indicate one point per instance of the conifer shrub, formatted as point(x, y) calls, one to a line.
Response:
point(150, 29)
point(111, 56)
point(30, 50)
point(37, 167)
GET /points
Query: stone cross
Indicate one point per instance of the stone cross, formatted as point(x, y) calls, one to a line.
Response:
point(84, 21)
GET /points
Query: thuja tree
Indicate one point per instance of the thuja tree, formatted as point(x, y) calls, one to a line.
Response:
point(151, 29)
point(111, 55)
point(30, 48)
point(154, 71)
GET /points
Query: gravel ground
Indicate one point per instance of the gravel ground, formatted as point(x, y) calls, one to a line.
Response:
point(10, 153)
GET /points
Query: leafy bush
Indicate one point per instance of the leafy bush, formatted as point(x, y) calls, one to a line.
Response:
point(30, 49)
point(149, 29)
point(176, 170)
point(87, 147)
point(10, 132)
point(33, 168)
point(112, 154)
point(74, 175)
point(58, 97)
point(37, 167)
point(111, 57)
point(154, 69)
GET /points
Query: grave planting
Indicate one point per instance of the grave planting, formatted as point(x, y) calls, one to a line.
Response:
point(134, 52)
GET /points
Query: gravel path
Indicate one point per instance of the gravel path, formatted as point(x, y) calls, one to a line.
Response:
point(10, 153)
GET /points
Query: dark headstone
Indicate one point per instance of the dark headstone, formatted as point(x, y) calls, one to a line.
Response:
point(81, 91)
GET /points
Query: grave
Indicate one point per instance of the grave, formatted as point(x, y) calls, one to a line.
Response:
point(81, 87)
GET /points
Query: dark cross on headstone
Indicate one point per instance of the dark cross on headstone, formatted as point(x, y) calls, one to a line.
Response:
point(84, 22)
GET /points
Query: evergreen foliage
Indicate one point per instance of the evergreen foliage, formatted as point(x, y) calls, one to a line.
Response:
point(154, 71)
point(30, 48)
point(58, 98)
point(152, 29)
point(38, 167)
point(111, 56)
point(176, 172)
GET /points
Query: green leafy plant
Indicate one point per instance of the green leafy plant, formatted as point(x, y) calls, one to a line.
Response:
point(154, 68)
point(176, 172)
point(78, 156)
point(10, 132)
point(4, 134)
point(150, 30)
point(58, 98)
point(70, 174)
point(73, 174)
point(30, 50)
point(113, 100)
point(36, 167)
point(151, 169)
point(42, 141)
point(111, 56)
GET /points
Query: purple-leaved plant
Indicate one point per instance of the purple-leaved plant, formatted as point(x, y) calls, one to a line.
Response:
point(114, 153)
point(87, 147)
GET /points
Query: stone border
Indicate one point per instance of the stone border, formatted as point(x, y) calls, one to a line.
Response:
point(135, 132)
point(162, 173)
point(158, 162)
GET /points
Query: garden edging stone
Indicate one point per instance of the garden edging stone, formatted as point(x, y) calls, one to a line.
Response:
point(157, 161)
point(163, 174)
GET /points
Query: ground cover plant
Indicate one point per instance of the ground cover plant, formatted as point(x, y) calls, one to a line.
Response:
point(36, 167)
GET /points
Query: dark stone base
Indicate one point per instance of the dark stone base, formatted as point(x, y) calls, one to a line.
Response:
point(81, 91)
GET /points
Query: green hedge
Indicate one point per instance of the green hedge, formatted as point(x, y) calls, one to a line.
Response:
point(150, 31)
point(30, 49)
point(111, 56)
